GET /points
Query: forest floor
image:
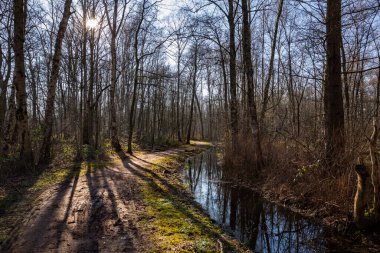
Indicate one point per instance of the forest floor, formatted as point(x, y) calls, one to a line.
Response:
point(123, 204)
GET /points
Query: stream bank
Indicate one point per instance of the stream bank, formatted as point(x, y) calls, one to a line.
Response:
point(262, 225)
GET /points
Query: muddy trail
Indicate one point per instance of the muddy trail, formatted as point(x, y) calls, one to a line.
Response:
point(97, 211)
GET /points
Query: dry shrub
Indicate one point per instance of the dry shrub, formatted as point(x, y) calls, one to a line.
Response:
point(241, 163)
point(302, 178)
point(296, 175)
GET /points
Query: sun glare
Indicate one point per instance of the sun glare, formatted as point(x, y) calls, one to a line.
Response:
point(92, 23)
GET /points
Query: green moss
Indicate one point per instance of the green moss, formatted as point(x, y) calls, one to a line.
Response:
point(51, 177)
point(178, 225)
point(58, 176)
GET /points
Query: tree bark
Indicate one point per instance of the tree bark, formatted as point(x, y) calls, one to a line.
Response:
point(248, 69)
point(25, 145)
point(178, 88)
point(233, 85)
point(84, 88)
point(4, 79)
point(378, 91)
point(114, 135)
point(346, 83)
point(45, 153)
point(10, 131)
point(271, 62)
point(333, 99)
point(3, 109)
point(114, 32)
point(135, 81)
point(193, 94)
point(89, 117)
point(200, 116)
point(225, 82)
point(361, 194)
point(375, 173)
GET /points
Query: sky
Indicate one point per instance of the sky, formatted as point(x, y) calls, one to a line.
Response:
point(167, 8)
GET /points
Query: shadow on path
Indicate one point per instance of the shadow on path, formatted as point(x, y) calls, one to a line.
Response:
point(167, 190)
point(94, 212)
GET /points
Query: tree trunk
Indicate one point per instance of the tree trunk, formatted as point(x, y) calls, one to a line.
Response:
point(178, 88)
point(4, 79)
point(133, 105)
point(361, 193)
point(194, 91)
point(25, 145)
point(84, 88)
point(225, 85)
point(346, 83)
point(333, 99)
point(271, 61)
point(113, 128)
point(233, 85)
point(200, 117)
point(3, 109)
point(248, 69)
point(89, 117)
point(375, 173)
point(135, 82)
point(114, 28)
point(377, 106)
point(10, 128)
point(45, 153)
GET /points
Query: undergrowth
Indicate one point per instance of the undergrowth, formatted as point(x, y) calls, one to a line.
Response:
point(296, 175)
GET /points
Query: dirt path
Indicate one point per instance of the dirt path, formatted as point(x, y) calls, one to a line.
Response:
point(98, 211)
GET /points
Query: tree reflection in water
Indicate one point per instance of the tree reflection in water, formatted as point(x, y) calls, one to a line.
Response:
point(262, 226)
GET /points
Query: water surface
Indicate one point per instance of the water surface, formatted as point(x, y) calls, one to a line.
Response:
point(262, 226)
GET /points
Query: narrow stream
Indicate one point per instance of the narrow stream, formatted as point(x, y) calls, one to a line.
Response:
point(260, 225)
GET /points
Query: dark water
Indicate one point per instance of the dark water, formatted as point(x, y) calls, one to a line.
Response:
point(262, 226)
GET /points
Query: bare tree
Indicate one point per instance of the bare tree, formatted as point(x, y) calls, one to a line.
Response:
point(135, 79)
point(248, 70)
point(233, 84)
point(193, 89)
point(114, 28)
point(19, 15)
point(45, 153)
point(271, 62)
point(333, 99)
point(5, 73)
